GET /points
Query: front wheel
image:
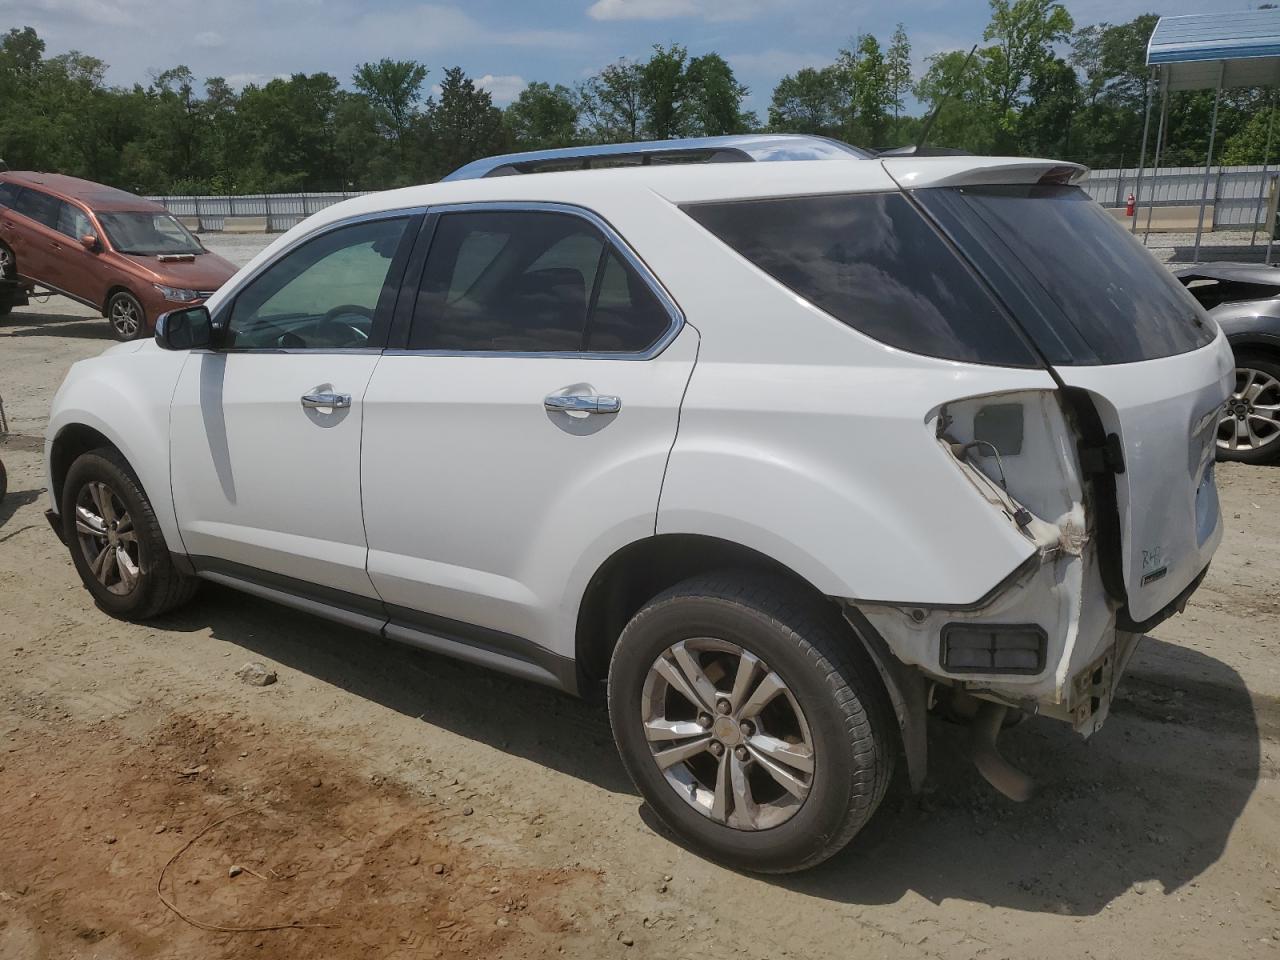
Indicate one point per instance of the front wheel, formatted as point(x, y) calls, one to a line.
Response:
point(127, 318)
point(751, 720)
point(116, 543)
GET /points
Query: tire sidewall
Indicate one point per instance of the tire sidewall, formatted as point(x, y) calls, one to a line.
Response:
point(142, 316)
point(95, 467)
point(13, 260)
point(825, 810)
point(1271, 452)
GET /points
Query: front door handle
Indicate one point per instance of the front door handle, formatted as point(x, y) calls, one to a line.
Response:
point(580, 403)
point(335, 400)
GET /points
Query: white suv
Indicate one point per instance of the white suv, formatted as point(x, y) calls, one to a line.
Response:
point(781, 455)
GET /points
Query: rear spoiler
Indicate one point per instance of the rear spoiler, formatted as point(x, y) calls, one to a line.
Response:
point(914, 172)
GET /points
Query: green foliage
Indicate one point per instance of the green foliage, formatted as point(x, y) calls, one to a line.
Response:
point(1040, 86)
point(542, 117)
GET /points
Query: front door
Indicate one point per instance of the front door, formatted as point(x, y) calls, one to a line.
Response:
point(266, 429)
point(522, 432)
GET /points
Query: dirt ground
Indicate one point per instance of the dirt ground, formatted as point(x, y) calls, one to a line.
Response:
point(386, 803)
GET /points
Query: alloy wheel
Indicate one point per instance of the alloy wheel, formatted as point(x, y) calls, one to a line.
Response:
point(125, 317)
point(728, 734)
point(7, 271)
point(1251, 417)
point(107, 537)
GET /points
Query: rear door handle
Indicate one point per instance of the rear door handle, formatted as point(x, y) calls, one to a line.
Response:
point(581, 403)
point(334, 400)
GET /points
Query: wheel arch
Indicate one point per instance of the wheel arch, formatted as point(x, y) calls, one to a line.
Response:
point(71, 442)
point(641, 570)
point(113, 290)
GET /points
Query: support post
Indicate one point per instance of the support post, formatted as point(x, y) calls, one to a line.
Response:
point(1155, 167)
point(1266, 167)
point(1142, 155)
point(1208, 162)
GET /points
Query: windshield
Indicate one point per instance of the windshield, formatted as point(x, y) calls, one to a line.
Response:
point(148, 234)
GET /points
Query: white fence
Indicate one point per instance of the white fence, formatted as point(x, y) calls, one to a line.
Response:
point(1234, 194)
point(282, 210)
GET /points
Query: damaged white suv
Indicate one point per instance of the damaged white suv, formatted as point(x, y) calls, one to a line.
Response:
point(778, 454)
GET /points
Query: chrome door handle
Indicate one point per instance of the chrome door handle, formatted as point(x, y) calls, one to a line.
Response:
point(334, 400)
point(580, 403)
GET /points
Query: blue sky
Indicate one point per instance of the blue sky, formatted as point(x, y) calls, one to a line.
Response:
point(501, 43)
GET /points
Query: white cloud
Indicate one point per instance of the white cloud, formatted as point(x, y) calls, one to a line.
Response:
point(111, 13)
point(209, 39)
point(238, 81)
point(674, 9)
point(777, 63)
point(503, 89)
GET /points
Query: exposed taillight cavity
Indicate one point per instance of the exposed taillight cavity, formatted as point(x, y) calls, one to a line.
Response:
point(1019, 451)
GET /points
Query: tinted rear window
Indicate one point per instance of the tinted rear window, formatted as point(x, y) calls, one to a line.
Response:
point(873, 262)
point(1115, 303)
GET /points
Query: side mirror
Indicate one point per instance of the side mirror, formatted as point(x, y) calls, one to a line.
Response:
point(188, 329)
point(89, 242)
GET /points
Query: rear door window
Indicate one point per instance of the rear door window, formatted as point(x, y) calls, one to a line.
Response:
point(524, 281)
point(9, 195)
point(1100, 296)
point(40, 207)
point(874, 262)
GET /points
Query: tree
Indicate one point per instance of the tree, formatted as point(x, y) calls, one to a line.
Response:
point(809, 101)
point(664, 92)
point(716, 98)
point(1044, 126)
point(898, 72)
point(542, 117)
point(1025, 32)
point(965, 120)
point(394, 88)
point(613, 102)
point(463, 125)
point(866, 75)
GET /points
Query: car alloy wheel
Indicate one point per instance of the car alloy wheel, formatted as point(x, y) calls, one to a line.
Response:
point(7, 269)
point(1251, 417)
point(727, 734)
point(126, 317)
point(105, 531)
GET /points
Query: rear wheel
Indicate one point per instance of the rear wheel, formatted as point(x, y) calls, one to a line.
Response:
point(8, 264)
point(751, 721)
point(1249, 430)
point(8, 272)
point(115, 540)
point(128, 319)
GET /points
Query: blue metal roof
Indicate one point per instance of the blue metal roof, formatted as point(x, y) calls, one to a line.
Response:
point(1194, 51)
point(757, 147)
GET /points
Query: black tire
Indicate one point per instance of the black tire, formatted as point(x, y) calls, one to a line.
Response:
point(159, 585)
point(4, 482)
point(810, 647)
point(8, 272)
point(1264, 365)
point(127, 317)
point(8, 263)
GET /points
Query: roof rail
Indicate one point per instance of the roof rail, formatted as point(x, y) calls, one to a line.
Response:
point(737, 148)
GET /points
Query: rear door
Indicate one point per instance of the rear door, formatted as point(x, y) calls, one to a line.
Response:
point(521, 432)
point(1114, 323)
point(32, 233)
point(72, 267)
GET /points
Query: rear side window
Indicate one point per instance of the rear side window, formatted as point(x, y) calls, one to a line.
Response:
point(521, 281)
point(872, 261)
point(1115, 303)
point(40, 207)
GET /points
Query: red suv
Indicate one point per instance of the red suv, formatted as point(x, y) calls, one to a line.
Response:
point(110, 250)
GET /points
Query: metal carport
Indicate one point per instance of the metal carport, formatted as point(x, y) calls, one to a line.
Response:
point(1209, 51)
